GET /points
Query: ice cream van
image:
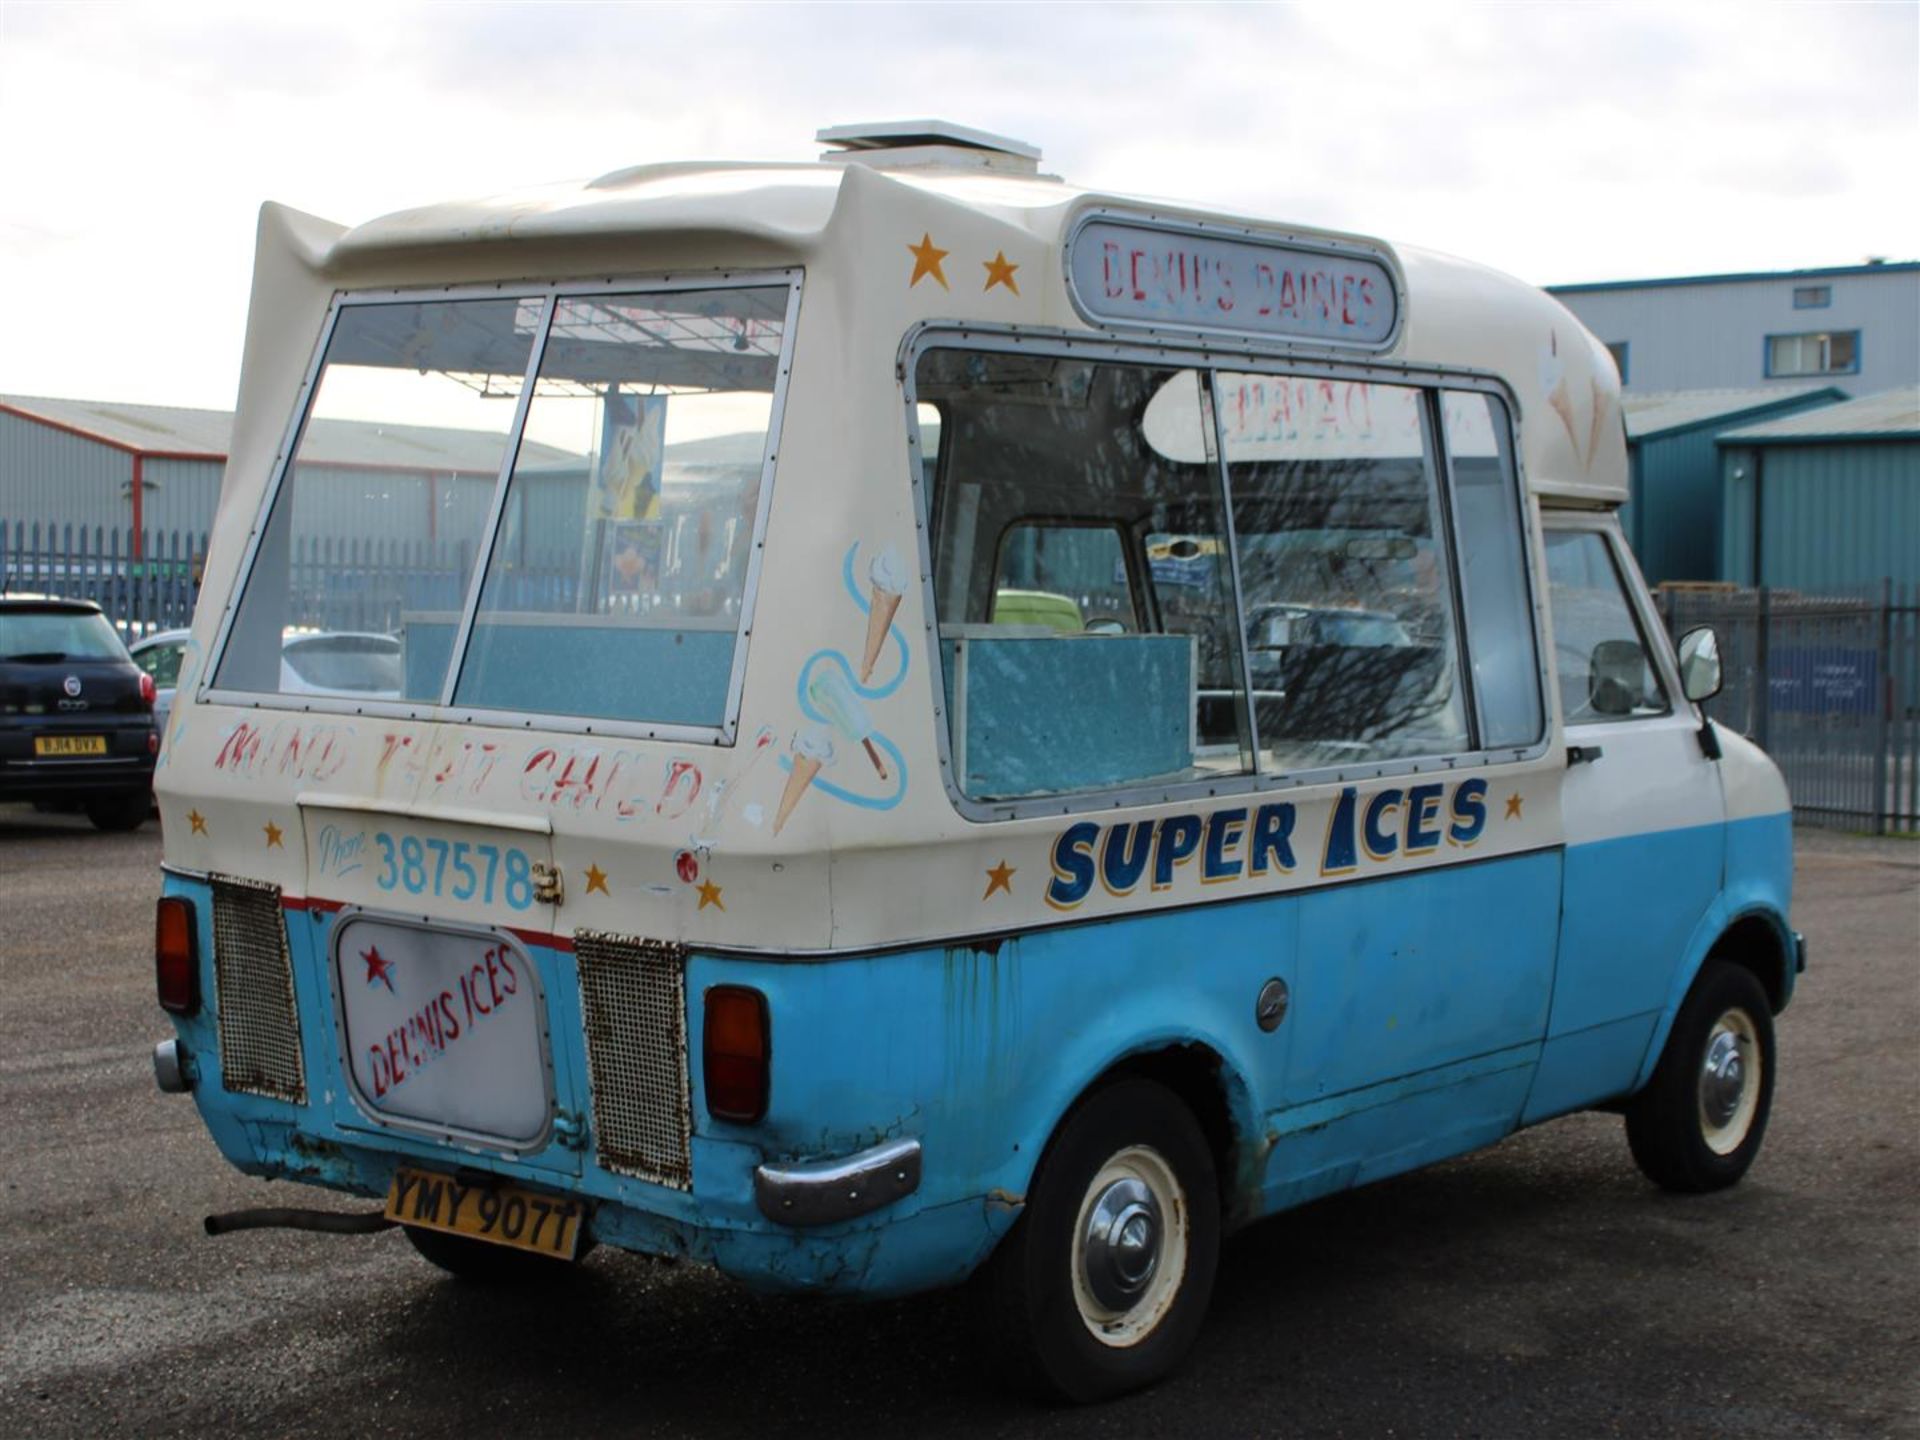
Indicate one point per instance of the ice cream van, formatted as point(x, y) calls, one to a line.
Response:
point(893, 720)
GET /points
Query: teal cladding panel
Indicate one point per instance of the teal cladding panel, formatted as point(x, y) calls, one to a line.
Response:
point(1835, 517)
point(1673, 520)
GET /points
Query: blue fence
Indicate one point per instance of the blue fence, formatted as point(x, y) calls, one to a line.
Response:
point(1829, 685)
point(359, 584)
point(142, 588)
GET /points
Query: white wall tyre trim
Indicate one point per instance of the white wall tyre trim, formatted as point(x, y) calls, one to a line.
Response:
point(1731, 1080)
point(1130, 1243)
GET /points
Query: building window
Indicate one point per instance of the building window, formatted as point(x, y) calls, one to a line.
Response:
point(1812, 297)
point(1824, 353)
point(1618, 350)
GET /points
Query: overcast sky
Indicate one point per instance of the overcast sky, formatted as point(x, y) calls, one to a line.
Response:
point(1559, 142)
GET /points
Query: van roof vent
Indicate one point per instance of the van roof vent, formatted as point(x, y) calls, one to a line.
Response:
point(907, 144)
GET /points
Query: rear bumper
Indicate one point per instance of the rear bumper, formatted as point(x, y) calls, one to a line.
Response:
point(75, 779)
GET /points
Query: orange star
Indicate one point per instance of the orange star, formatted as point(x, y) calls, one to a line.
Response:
point(273, 836)
point(1514, 802)
point(197, 821)
point(710, 895)
point(1000, 877)
point(926, 261)
point(597, 880)
point(1000, 272)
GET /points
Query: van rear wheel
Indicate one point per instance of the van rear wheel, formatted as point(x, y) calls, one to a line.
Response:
point(1698, 1124)
point(485, 1263)
point(1103, 1282)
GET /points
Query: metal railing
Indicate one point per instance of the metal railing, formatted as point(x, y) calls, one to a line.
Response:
point(142, 588)
point(1827, 684)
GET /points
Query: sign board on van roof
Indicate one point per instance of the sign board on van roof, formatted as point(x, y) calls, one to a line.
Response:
point(1137, 272)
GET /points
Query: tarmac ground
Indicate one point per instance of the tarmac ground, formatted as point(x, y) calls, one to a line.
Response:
point(1539, 1287)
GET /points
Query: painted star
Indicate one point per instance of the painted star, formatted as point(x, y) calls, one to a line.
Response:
point(379, 968)
point(710, 895)
point(1000, 877)
point(273, 836)
point(1000, 272)
point(597, 880)
point(197, 821)
point(1514, 802)
point(926, 261)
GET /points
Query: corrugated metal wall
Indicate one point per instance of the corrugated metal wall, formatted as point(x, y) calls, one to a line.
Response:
point(181, 495)
point(1695, 337)
point(1836, 518)
point(1673, 520)
point(49, 477)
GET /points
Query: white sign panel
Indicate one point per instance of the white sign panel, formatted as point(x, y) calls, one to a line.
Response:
point(1148, 275)
point(442, 1028)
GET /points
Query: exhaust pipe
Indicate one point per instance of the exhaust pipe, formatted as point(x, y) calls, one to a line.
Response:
point(325, 1222)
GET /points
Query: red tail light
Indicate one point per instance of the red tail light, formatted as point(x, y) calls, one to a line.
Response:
point(738, 1046)
point(147, 691)
point(175, 963)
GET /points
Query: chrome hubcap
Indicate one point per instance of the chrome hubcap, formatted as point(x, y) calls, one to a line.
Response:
point(1122, 1243)
point(1730, 1082)
point(1723, 1079)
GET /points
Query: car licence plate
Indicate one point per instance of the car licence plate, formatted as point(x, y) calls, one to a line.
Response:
point(69, 744)
point(498, 1213)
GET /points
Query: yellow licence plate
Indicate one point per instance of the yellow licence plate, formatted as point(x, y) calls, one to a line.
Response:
point(499, 1213)
point(69, 744)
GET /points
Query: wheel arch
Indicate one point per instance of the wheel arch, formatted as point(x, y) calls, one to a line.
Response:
point(1756, 938)
point(1212, 1087)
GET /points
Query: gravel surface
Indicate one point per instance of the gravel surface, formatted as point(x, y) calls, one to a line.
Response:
point(1538, 1287)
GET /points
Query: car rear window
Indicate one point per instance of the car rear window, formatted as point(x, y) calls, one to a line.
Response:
point(50, 636)
point(347, 662)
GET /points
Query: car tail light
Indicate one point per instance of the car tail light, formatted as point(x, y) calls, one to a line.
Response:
point(176, 971)
point(738, 1044)
point(147, 690)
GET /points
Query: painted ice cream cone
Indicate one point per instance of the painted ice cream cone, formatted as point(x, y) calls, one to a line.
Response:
point(887, 581)
point(832, 696)
point(1553, 380)
point(1599, 420)
point(811, 750)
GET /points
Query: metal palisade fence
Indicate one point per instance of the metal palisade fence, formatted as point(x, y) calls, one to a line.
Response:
point(142, 587)
point(1829, 685)
point(360, 584)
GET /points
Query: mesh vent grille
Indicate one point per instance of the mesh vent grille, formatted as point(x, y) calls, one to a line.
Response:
point(633, 993)
point(253, 978)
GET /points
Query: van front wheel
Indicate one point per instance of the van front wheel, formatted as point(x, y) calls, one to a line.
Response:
point(1102, 1284)
point(1698, 1124)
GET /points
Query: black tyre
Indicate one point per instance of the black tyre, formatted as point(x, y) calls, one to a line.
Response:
point(488, 1264)
point(1102, 1284)
point(1699, 1122)
point(120, 812)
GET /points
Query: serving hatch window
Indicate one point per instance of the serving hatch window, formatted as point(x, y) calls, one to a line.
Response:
point(1102, 625)
point(611, 514)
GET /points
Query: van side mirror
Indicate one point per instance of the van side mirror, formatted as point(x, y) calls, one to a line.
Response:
point(1700, 674)
point(1616, 677)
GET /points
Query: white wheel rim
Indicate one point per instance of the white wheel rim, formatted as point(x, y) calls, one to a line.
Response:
point(1730, 1081)
point(1135, 1195)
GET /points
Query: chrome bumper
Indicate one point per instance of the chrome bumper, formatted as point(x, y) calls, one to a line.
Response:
point(822, 1192)
point(172, 1072)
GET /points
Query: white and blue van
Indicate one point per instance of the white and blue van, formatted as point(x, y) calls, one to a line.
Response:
point(914, 719)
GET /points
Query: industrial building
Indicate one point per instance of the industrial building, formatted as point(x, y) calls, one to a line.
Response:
point(154, 469)
point(1827, 500)
point(1853, 326)
point(1673, 519)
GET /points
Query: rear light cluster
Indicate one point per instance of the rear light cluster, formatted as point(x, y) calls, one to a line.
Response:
point(175, 956)
point(148, 692)
point(738, 1046)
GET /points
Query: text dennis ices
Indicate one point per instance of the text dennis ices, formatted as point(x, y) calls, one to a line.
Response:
point(1245, 842)
point(443, 1021)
